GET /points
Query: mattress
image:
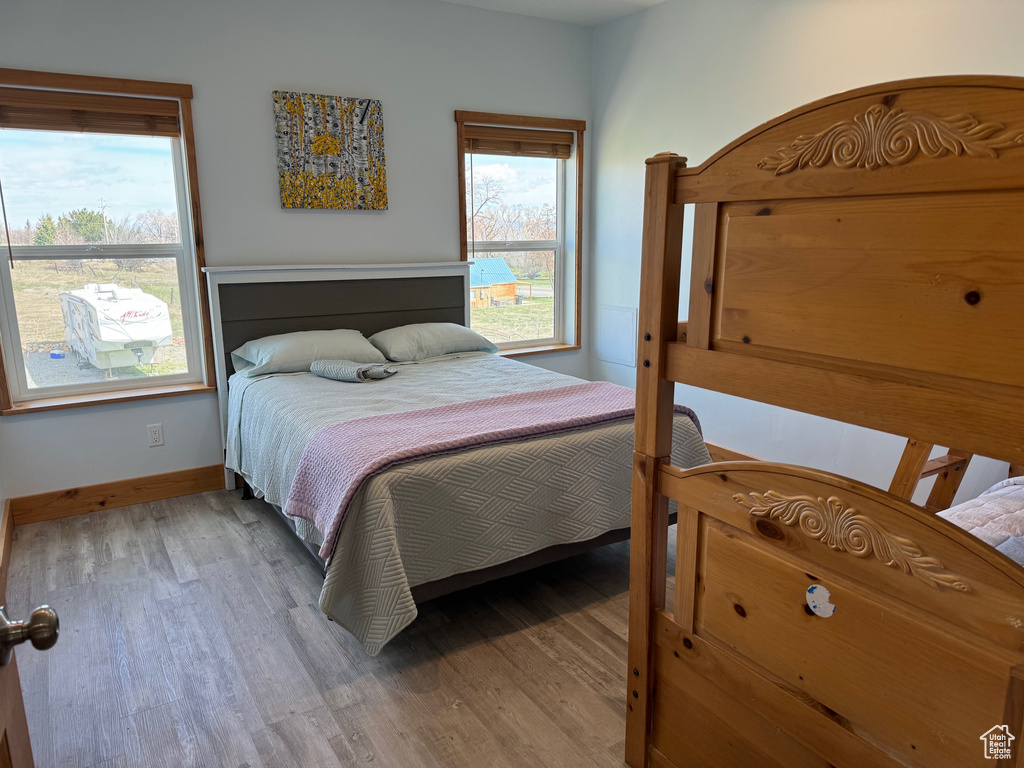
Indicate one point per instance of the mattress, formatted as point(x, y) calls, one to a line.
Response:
point(430, 519)
point(996, 517)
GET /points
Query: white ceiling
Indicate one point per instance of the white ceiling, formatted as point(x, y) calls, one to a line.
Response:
point(574, 11)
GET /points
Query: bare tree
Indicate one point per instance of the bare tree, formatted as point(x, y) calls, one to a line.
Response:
point(493, 219)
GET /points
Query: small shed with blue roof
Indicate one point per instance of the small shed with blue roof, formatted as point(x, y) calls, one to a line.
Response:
point(491, 283)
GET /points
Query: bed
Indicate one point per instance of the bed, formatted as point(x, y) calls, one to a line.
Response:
point(430, 526)
point(859, 258)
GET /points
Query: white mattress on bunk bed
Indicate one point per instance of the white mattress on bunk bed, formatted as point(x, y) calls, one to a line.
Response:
point(996, 517)
point(433, 518)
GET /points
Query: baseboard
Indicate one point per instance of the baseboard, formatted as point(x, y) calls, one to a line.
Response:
point(121, 493)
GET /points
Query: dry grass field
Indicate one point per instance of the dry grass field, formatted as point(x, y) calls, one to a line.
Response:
point(38, 284)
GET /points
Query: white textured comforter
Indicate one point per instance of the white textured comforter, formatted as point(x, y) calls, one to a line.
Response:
point(437, 517)
point(996, 517)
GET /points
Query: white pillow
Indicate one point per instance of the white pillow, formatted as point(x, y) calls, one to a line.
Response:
point(422, 340)
point(289, 352)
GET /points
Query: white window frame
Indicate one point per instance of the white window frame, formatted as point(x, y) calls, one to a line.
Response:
point(183, 253)
point(497, 247)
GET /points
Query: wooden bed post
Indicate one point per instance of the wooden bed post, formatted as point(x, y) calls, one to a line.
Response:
point(659, 302)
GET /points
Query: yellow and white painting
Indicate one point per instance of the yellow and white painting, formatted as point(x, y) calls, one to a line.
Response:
point(330, 152)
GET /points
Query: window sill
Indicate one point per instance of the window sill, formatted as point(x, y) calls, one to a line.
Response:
point(539, 350)
point(103, 398)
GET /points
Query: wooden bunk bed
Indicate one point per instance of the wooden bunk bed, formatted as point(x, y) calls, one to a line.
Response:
point(860, 258)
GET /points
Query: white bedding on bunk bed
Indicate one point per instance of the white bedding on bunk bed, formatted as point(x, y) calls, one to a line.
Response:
point(434, 518)
point(996, 517)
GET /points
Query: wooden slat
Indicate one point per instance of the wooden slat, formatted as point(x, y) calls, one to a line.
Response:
point(702, 279)
point(942, 463)
point(554, 151)
point(120, 493)
point(948, 481)
point(984, 426)
point(648, 560)
point(884, 281)
point(29, 118)
point(1016, 470)
point(88, 102)
point(497, 118)
point(531, 142)
point(806, 720)
point(525, 135)
point(56, 80)
point(687, 547)
point(908, 473)
point(698, 725)
point(659, 302)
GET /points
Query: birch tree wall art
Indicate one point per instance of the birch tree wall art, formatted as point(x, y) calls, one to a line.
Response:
point(330, 152)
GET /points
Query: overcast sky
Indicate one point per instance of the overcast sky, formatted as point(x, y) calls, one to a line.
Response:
point(54, 172)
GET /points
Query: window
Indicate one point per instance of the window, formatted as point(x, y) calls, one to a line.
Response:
point(520, 184)
point(99, 287)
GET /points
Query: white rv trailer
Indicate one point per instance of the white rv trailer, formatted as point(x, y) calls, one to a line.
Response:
point(114, 327)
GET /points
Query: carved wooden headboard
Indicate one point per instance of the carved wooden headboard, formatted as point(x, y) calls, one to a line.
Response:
point(860, 258)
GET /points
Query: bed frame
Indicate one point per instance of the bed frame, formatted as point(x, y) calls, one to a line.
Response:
point(251, 302)
point(860, 258)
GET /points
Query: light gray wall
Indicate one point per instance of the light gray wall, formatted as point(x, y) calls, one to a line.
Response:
point(422, 59)
point(689, 76)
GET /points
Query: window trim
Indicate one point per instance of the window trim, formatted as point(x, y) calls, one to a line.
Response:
point(58, 84)
point(465, 118)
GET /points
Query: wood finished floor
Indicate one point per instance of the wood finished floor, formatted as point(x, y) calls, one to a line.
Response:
point(191, 635)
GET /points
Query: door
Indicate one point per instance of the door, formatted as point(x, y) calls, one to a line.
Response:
point(41, 629)
point(15, 749)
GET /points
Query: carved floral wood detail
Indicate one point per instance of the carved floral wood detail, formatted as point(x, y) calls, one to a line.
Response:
point(833, 522)
point(883, 136)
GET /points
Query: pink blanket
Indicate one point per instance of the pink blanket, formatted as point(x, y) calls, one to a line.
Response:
point(339, 458)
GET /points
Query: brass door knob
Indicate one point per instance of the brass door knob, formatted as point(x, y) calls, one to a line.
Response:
point(42, 629)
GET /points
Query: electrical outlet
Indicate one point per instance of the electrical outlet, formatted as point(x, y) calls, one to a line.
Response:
point(155, 434)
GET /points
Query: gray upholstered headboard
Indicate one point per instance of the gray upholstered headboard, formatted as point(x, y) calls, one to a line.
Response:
point(251, 302)
point(253, 310)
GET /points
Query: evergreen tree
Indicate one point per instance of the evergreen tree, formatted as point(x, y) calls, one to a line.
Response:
point(45, 231)
point(88, 224)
